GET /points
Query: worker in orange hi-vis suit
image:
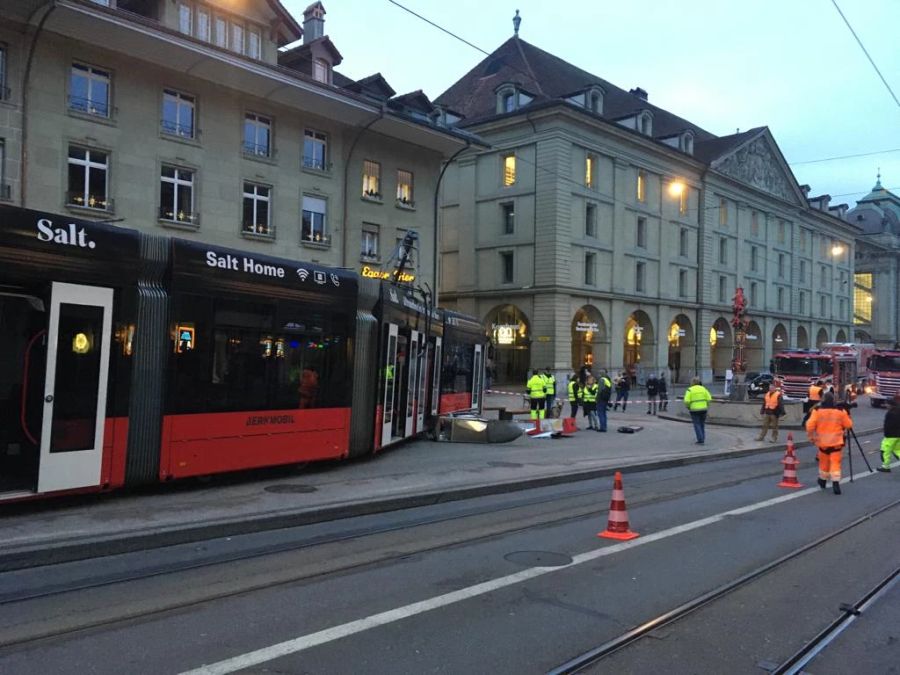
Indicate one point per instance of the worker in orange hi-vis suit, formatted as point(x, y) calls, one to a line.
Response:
point(826, 428)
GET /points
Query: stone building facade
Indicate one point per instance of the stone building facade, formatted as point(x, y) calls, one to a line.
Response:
point(188, 118)
point(601, 228)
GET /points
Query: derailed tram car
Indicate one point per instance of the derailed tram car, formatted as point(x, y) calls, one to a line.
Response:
point(129, 358)
point(463, 365)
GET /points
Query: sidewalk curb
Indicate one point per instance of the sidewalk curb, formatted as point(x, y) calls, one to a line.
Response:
point(73, 549)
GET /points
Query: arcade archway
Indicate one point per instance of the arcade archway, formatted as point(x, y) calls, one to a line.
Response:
point(821, 338)
point(779, 339)
point(755, 351)
point(588, 336)
point(721, 345)
point(510, 333)
point(682, 349)
point(639, 345)
point(802, 338)
point(841, 336)
point(862, 336)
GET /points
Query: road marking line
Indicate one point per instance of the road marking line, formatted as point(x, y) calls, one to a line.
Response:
point(305, 642)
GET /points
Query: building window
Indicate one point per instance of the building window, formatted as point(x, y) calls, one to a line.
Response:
point(683, 201)
point(321, 71)
point(508, 101)
point(590, 220)
point(590, 168)
point(723, 212)
point(781, 265)
point(723, 288)
point(589, 268)
point(509, 170)
point(683, 242)
point(641, 232)
point(754, 223)
point(723, 251)
point(801, 303)
point(803, 240)
point(646, 125)
point(405, 188)
point(253, 43)
point(641, 186)
point(371, 186)
point(863, 284)
point(782, 230)
point(596, 102)
point(822, 302)
point(4, 187)
point(682, 283)
point(823, 247)
point(221, 32)
point(257, 212)
point(753, 294)
point(176, 193)
point(203, 24)
point(88, 178)
point(369, 243)
point(780, 299)
point(508, 214)
point(314, 220)
point(802, 271)
point(315, 150)
point(237, 38)
point(4, 89)
point(843, 309)
point(404, 253)
point(639, 276)
point(178, 114)
point(823, 276)
point(185, 25)
point(257, 135)
point(88, 90)
point(506, 267)
point(754, 259)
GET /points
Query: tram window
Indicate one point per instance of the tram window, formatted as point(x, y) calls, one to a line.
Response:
point(260, 356)
point(458, 367)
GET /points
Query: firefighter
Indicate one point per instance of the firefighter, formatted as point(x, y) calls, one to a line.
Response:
point(772, 410)
point(575, 394)
point(549, 391)
point(816, 390)
point(890, 445)
point(536, 387)
point(826, 428)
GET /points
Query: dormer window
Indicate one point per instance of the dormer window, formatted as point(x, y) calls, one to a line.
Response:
point(687, 143)
point(508, 101)
point(646, 124)
point(321, 71)
point(595, 102)
point(510, 98)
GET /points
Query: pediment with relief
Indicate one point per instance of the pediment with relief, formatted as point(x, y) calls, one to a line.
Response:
point(756, 164)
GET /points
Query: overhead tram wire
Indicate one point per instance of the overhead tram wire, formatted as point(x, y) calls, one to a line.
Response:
point(580, 184)
point(866, 52)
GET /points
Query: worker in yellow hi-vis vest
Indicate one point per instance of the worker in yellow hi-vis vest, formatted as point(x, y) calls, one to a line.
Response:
point(536, 387)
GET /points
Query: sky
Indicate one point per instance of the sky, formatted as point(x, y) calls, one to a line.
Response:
point(792, 65)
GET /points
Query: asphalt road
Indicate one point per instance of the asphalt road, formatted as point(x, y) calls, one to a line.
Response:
point(515, 583)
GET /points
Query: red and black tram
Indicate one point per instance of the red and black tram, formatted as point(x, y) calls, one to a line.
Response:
point(130, 358)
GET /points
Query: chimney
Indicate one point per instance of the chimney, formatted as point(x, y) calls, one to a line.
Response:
point(640, 93)
point(313, 22)
point(805, 190)
point(840, 211)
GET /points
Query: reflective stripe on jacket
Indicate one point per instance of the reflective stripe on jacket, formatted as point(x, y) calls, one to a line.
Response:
point(536, 386)
point(826, 427)
point(697, 398)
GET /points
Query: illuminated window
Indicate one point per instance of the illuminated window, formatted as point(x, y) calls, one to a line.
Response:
point(862, 297)
point(641, 186)
point(369, 248)
point(509, 170)
point(590, 167)
point(405, 188)
point(314, 220)
point(257, 212)
point(88, 178)
point(371, 186)
point(683, 202)
point(723, 212)
point(177, 195)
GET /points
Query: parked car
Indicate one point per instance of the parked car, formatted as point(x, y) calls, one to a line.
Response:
point(759, 385)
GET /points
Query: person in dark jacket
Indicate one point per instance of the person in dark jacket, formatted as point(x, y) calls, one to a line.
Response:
point(890, 444)
point(623, 387)
point(663, 393)
point(652, 393)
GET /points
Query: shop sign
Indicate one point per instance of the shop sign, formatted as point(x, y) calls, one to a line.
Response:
point(505, 334)
point(543, 338)
point(586, 327)
point(753, 337)
point(720, 333)
point(372, 273)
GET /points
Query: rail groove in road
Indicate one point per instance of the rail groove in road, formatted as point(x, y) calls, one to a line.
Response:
point(849, 614)
point(630, 637)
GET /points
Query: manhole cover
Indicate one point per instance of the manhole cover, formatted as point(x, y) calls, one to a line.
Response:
point(509, 465)
point(290, 489)
point(538, 559)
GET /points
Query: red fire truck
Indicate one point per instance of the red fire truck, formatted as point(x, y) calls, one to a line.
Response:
point(799, 368)
point(883, 382)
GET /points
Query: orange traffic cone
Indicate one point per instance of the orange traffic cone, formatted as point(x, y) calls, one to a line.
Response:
point(537, 428)
point(790, 461)
point(569, 425)
point(617, 525)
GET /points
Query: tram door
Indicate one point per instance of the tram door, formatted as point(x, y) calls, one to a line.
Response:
point(436, 378)
point(477, 376)
point(412, 380)
point(390, 374)
point(74, 401)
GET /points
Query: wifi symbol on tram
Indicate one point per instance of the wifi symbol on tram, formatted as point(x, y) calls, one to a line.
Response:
point(302, 273)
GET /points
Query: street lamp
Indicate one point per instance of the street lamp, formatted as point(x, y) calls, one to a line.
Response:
point(837, 250)
point(676, 187)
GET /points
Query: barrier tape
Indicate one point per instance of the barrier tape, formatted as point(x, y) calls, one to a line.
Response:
point(612, 401)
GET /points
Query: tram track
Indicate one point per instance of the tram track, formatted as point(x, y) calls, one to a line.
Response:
point(793, 665)
point(193, 595)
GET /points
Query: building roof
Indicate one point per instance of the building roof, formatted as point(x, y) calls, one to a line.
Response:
point(548, 77)
point(710, 149)
point(878, 212)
